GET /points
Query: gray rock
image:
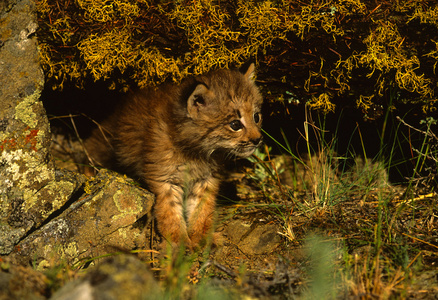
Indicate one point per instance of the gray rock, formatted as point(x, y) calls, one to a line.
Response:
point(18, 282)
point(119, 277)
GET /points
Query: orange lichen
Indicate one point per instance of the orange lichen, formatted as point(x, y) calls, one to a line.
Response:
point(29, 141)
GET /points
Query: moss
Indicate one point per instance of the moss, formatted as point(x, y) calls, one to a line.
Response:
point(103, 11)
point(347, 48)
point(322, 102)
point(205, 24)
point(104, 52)
point(364, 102)
point(426, 14)
point(262, 23)
point(384, 53)
point(155, 67)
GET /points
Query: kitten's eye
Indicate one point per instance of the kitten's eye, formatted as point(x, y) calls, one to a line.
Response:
point(236, 125)
point(256, 117)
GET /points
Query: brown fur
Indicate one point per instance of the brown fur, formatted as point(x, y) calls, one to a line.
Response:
point(175, 137)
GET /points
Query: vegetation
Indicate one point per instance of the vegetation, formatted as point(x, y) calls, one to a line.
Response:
point(324, 52)
point(378, 237)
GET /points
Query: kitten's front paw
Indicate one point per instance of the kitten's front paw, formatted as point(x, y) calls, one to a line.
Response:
point(218, 239)
point(172, 249)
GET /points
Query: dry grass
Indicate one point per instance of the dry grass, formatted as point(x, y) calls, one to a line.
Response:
point(385, 233)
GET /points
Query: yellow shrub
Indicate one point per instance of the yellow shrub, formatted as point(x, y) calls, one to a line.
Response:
point(330, 48)
point(322, 102)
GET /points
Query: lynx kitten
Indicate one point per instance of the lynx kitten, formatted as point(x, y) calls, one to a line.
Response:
point(174, 139)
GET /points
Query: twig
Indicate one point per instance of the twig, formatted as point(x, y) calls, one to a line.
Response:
point(101, 129)
point(425, 155)
point(427, 133)
point(82, 143)
point(419, 240)
point(224, 269)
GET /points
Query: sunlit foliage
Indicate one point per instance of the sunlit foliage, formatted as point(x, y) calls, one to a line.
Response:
point(316, 50)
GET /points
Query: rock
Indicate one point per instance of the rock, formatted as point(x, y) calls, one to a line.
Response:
point(254, 238)
point(47, 215)
point(103, 220)
point(30, 190)
point(118, 277)
point(17, 282)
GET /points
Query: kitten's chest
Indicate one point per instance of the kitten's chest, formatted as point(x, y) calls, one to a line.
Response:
point(192, 172)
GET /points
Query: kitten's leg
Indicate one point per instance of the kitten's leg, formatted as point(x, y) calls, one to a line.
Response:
point(169, 213)
point(200, 209)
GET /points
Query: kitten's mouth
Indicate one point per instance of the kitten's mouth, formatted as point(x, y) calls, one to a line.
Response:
point(244, 152)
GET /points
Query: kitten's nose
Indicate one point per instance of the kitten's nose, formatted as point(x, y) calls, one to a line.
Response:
point(257, 141)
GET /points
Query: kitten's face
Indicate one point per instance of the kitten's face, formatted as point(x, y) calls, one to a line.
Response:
point(241, 127)
point(226, 107)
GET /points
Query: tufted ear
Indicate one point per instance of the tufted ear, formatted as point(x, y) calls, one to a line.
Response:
point(248, 71)
point(198, 100)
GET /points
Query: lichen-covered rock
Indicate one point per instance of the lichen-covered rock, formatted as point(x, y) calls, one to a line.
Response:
point(47, 213)
point(30, 190)
point(50, 216)
point(102, 220)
